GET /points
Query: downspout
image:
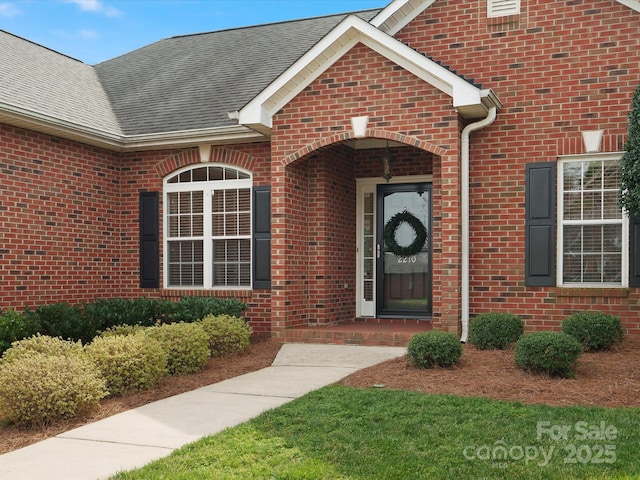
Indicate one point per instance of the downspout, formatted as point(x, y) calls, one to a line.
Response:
point(464, 179)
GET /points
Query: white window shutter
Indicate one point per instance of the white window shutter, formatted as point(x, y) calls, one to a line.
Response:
point(501, 8)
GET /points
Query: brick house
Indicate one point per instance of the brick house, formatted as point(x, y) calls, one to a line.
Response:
point(409, 166)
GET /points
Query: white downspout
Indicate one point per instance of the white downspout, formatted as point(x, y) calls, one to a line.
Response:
point(464, 179)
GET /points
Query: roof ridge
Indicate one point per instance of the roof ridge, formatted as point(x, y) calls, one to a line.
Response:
point(42, 46)
point(295, 20)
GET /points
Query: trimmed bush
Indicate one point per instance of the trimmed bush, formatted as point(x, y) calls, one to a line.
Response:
point(64, 321)
point(594, 330)
point(428, 349)
point(495, 330)
point(128, 363)
point(41, 344)
point(122, 330)
point(548, 352)
point(40, 389)
point(226, 334)
point(193, 309)
point(185, 344)
point(15, 326)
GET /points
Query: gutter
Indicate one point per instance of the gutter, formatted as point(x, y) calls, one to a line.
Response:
point(464, 178)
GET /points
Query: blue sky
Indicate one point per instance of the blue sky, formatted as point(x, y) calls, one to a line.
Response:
point(96, 30)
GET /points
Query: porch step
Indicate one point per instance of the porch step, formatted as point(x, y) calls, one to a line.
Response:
point(374, 333)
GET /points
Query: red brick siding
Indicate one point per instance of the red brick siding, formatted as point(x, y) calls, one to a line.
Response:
point(559, 68)
point(59, 208)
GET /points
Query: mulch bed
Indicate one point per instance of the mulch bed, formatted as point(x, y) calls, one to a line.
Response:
point(608, 379)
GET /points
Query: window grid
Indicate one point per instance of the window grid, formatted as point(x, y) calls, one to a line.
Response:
point(224, 261)
point(592, 223)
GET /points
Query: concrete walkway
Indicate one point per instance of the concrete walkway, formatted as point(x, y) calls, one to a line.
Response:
point(134, 438)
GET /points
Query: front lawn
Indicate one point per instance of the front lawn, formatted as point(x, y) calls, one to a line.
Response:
point(346, 433)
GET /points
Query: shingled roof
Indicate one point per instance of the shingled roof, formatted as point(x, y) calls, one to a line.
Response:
point(178, 84)
point(40, 82)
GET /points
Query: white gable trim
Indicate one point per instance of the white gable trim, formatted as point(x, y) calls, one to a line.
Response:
point(632, 4)
point(466, 98)
point(398, 14)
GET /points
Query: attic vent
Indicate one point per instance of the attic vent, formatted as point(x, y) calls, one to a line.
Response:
point(501, 8)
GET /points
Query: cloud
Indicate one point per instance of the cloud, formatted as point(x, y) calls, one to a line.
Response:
point(9, 10)
point(96, 6)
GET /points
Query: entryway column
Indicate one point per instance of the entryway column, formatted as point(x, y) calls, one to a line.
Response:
point(447, 262)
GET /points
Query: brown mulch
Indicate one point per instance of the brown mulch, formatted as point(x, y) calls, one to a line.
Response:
point(609, 379)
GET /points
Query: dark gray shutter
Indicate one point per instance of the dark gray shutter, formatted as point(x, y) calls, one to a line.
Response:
point(540, 224)
point(261, 237)
point(149, 240)
point(634, 246)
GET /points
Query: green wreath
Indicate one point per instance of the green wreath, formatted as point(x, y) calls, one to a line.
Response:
point(391, 227)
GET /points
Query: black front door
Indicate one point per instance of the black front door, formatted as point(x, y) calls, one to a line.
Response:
point(403, 261)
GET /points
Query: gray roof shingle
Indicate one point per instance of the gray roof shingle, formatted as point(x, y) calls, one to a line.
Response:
point(192, 82)
point(177, 84)
point(47, 83)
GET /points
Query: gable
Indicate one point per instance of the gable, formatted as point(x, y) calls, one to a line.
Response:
point(469, 100)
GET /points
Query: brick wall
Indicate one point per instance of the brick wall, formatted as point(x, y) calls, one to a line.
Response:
point(69, 219)
point(59, 210)
point(401, 108)
point(559, 68)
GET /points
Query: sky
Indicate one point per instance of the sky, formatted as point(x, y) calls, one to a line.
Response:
point(97, 30)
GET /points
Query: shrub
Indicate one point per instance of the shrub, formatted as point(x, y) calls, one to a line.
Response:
point(15, 326)
point(548, 352)
point(193, 309)
point(118, 311)
point(40, 389)
point(594, 330)
point(226, 334)
point(41, 344)
point(128, 363)
point(495, 330)
point(185, 344)
point(64, 321)
point(434, 348)
point(122, 330)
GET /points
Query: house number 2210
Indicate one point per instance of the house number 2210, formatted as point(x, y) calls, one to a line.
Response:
point(411, 259)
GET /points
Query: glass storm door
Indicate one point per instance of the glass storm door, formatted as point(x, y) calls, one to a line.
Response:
point(403, 262)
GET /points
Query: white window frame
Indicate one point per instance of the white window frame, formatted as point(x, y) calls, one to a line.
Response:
point(561, 223)
point(208, 188)
point(502, 8)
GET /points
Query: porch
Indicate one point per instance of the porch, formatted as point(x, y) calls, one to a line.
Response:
point(361, 331)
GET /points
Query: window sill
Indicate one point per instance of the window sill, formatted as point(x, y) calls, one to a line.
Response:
point(617, 292)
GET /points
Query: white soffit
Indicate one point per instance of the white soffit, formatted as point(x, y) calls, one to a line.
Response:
point(258, 112)
point(398, 14)
point(632, 4)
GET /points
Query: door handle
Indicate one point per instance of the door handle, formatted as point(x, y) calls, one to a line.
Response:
point(378, 250)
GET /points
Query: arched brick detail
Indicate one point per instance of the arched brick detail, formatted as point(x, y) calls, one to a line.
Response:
point(182, 159)
point(370, 133)
point(218, 155)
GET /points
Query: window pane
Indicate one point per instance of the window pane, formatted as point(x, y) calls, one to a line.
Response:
point(612, 208)
point(592, 206)
point(173, 203)
point(592, 176)
point(573, 206)
point(612, 179)
point(186, 267)
point(216, 173)
point(200, 174)
point(612, 268)
point(185, 176)
point(612, 238)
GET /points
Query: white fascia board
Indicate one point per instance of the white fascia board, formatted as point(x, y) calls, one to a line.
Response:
point(258, 112)
point(632, 4)
point(398, 14)
point(31, 120)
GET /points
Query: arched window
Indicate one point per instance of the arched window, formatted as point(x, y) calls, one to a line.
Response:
point(207, 227)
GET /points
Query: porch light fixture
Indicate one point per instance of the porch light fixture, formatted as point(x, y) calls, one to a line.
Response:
point(386, 164)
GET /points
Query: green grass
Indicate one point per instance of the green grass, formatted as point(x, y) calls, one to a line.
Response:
point(345, 433)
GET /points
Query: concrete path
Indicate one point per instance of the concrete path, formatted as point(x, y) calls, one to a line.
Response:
point(134, 438)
